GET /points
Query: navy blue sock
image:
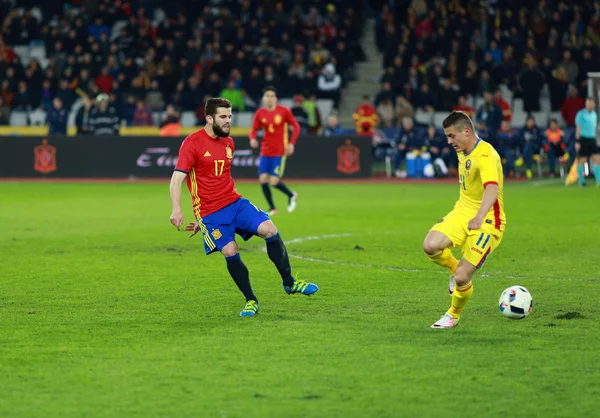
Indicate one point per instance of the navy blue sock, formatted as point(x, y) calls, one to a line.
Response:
point(267, 192)
point(240, 275)
point(281, 186)
point(279, 256)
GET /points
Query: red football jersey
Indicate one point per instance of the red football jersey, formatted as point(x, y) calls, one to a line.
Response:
point(275, 125)
point(207, 162)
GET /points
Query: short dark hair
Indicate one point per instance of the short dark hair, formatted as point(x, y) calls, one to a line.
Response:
point(212, 104)
point(459, 119)
point(270, 88)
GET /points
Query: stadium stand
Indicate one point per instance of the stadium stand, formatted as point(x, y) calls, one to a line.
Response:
point(174, 52)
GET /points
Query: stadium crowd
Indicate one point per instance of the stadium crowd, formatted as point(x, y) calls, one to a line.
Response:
point(147, 54)
point(481, 57)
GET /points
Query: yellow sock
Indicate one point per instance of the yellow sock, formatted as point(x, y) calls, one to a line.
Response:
point(445, 258)
point(460, 297)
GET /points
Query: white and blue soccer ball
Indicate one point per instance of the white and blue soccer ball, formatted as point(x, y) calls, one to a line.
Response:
point(515, 302)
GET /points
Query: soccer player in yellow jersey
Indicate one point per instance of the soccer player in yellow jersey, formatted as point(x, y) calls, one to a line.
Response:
point(477, 221)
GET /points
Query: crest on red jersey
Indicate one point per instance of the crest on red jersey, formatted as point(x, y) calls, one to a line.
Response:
point(348, 158)
point(277, 119)
point(228, 152)
point(44, 158)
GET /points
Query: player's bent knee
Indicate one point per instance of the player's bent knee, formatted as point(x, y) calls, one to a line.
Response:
point(273, 181)
point(263, 178)
point(267, 229)
point(230, 249)
point(431, 246)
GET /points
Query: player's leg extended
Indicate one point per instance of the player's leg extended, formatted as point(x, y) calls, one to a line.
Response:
point(279, 256)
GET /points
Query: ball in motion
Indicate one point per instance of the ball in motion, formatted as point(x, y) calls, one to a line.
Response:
point(515, 302)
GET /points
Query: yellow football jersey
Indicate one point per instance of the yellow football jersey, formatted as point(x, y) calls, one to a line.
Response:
point(476, 169)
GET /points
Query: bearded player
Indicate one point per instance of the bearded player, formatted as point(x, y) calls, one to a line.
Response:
point(274, 120)
point(477, 222)
point(205, 162)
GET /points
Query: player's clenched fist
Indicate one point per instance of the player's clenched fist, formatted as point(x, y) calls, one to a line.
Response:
point(253, 143)
point(177, 219)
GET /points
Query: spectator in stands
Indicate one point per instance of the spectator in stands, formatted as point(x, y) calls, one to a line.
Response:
point(489, 117)
point(234, 95)
point(142, 116)
point(441, 154)
point(463, 106)
point(154, 97)
point(386, 91)
point(447, 96)
point(404, 108)
point(170, 125)
point(329, 85)
point(365, 117)
point(4, 113)
point(103, 118)
point(314, 115)
point(503, 105)
point(83, 115)
point(46, 96)
point(531, 141)
point(66, 95)
point(57, 118)
point(531, 83)
point(407, 140)
point(300, 114)
point(6, 94)
point(22, 100)
point(573, 104)
point(333, 127)
point(556, 146)
point(387, 114)
point(508, 146)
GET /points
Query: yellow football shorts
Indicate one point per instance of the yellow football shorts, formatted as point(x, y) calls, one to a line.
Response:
point(476, 244)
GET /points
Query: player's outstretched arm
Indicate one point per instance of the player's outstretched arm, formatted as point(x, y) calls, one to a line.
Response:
point(490, 195)
point(175, 191)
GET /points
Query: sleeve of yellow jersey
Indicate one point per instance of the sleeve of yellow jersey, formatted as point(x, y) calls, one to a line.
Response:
point(488, 167)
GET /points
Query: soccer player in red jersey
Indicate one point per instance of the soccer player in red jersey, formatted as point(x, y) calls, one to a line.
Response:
point(274, 120)
point(221, 212)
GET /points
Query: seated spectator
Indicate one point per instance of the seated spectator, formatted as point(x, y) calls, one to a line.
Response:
point(300, 114)
point(4, 113)
point(489, 117)
point(46, 96)
point(234, 95)
point(57, 118)
point(83, 115)
point(314, 115)
point(22, 100)
point(329, 85)
point(407, 140)
point(386, 113)
point(442, 155)
point(333, 127)
point(425, 99)
point(463, 106)
point(142, 115)
point(103, 118)
point(154, 98)
point(404, 108)
point(508, 147)
point(170, 125)
point(530, 144)
point(503, 105)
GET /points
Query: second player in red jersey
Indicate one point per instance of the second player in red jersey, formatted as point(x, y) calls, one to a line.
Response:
point(275, 121)
point(221, 213)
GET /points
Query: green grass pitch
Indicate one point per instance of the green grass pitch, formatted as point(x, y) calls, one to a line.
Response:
point(107, 311)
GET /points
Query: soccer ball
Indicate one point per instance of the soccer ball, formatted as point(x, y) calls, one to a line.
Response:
point(515, 302)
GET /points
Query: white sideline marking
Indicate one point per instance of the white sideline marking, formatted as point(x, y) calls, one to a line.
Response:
point(392, 268)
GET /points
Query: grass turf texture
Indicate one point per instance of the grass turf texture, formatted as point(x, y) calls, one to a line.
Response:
point(106, 310)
